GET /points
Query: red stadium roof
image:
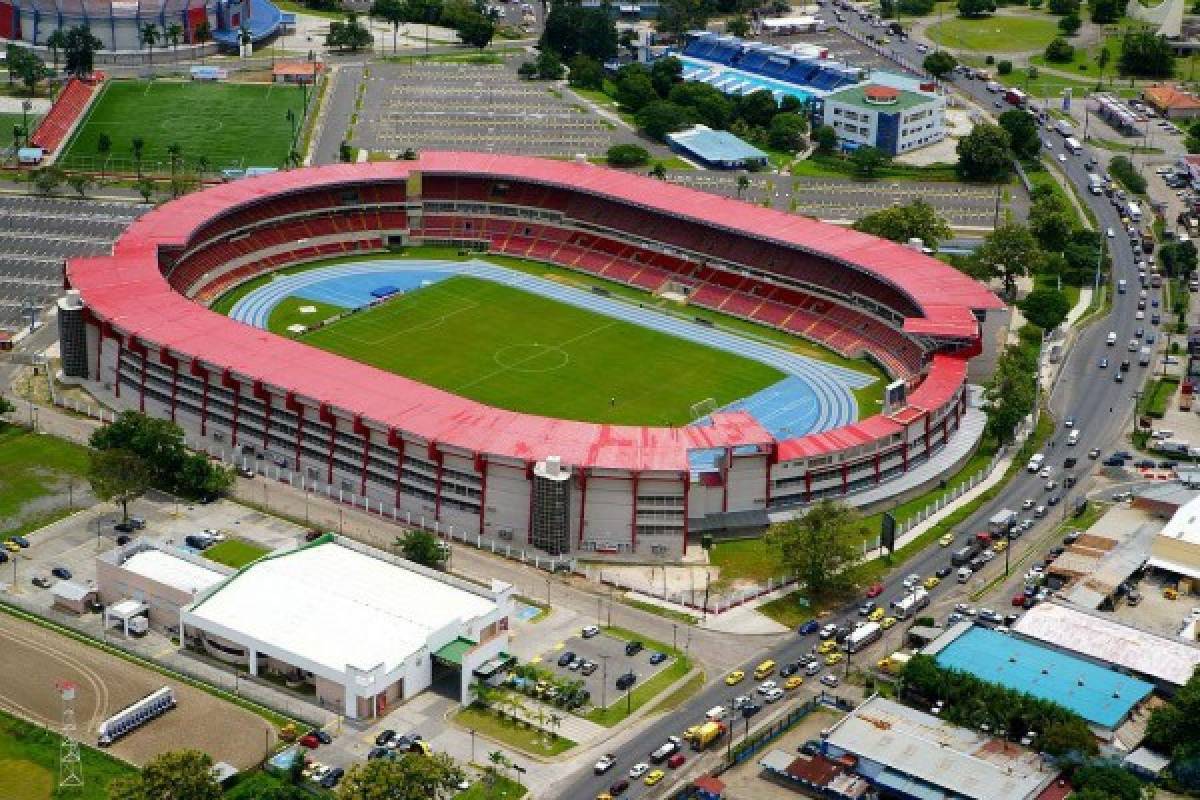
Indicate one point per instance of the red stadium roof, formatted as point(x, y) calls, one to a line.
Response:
point(129, 291)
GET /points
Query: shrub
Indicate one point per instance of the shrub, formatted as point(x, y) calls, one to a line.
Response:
point(1004, 68)
point(627, 155)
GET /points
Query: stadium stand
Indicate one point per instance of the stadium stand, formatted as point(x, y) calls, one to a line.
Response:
point(68, 108)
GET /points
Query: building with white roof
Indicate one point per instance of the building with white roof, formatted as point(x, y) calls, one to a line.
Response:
point(913, 754)
point(162, 577)
point(1167, 663)
point(365, 629)
point(1176, 548)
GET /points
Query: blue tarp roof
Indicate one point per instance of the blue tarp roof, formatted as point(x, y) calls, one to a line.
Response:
point(716, 146)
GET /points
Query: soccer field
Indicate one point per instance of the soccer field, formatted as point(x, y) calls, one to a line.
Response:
point(229, 124)
point(524, 352)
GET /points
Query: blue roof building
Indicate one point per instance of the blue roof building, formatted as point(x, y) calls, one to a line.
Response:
point(717, 149)
point(1100, 695)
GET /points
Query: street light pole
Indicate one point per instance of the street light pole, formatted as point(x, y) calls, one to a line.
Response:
point(603, 680)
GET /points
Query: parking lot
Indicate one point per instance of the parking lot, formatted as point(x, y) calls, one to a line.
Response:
point(37, 233)
point(483, 108)
point(846, 200)
point(841, 47)
point(608, 654)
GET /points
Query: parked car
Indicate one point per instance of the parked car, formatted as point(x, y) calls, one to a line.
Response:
point(633, 648)
point(590, 631)
point(657, 658)
point(332, 778)
point(41, 581)
point(626, 680)
point(21, 541)
point(322, 736)
point(62, 573)
point(566, 658)
point(384, 737)
point(808, 628)
point(588, 667)
point(309, 741)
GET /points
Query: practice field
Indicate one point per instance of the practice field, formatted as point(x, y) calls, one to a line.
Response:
point(513, 349)
point(231, 125)
point(33, 658)
point(995, 34)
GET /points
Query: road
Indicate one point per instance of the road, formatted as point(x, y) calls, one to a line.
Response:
point(1101, 407)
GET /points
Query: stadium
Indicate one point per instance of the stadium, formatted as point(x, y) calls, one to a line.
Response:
point(119, 23)
point(424, 447)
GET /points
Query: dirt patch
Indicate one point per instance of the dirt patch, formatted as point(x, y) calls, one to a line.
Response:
point(747, 781)
point(33, 659)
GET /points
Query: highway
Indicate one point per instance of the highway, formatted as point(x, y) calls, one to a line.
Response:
point(1101, 407)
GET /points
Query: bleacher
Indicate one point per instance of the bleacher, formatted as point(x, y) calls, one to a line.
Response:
point(68, 107)
point(771, 62)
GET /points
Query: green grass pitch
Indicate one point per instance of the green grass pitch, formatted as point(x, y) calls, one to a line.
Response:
point(521, 351)
point(230, 124)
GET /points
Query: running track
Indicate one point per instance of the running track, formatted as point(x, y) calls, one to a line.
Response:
point(831, 403)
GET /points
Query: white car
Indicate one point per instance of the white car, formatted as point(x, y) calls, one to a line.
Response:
point(604, 764)
point(911, 581)
point(1046, 472)
point(922, 48)
point(590, 631)
point(766, 687)
point(1040, 511)
point(740, 702)
point(773, 695)
point(638, 770)
point(831, 680)
point(1062, 157)
point(1111, 233)
point(1028, 504)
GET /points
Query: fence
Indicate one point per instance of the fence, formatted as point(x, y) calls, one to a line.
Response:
point(745, 749)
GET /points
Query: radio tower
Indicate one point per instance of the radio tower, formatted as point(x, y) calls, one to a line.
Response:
point(70, 766)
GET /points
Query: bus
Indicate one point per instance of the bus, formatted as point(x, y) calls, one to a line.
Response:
point(910, 604)
point(862, 636)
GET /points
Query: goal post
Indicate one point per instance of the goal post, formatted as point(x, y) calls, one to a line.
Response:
point(703, 408)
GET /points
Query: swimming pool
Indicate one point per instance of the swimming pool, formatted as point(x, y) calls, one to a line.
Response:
point(734, 81)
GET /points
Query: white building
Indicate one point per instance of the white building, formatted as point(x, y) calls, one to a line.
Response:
point(890, 119)
point(365, 630)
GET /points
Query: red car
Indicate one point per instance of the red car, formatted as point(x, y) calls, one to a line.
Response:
point(874, 590)
point(1018, 600)
point(676, 761)
point(309, 741)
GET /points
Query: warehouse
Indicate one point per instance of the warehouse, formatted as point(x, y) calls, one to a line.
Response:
point(359, 628)
point(162, 578)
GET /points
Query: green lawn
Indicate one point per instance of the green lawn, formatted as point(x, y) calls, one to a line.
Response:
point(29, 765)
point(521, 351)
point(231, 125)
point(822, 166)
point(288, 313)
point(620, 707)
point(9, 120)
point(518, 735)
point(32, 468)
point(995, 34)
point(502, 789)
point(235, 553)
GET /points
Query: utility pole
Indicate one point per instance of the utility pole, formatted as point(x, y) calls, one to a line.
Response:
point(70, 764)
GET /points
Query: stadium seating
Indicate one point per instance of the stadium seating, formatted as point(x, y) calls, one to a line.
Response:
point(68, 107)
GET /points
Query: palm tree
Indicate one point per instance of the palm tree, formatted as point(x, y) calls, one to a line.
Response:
point(138, 145)
point(201, 34)
point(103, 147)
point(150, 38)
point(482, 694)
point(174, 37)
point(56, 41)
point(201, 166)
point(556, 721)
point(658, 171)
point(497, 760)
point(175, 152)
point(743, 183)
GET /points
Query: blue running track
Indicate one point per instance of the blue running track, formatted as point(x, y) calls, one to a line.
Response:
point(815, 396)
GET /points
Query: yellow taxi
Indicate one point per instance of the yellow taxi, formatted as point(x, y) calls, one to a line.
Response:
point(946, 540)
point(827, 646)
point(764, 669)
point(875, 615)
point(12, 547)
point(833, 658)
point(604, 796)
point(794, 682)
point(654, 777)
point(887, 622)
point(734, 677)
point(932, 581)
point(1000, 546)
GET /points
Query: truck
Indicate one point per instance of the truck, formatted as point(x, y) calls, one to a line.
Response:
point(665, 751)
point(1134, 211)
point(1065, 128)
point(1073, 146)
point(701, 736)
point(964, 554)
point(1147, 241)
point(993, 87)
point(1144, 356)
point(862, 636)
point(910, 604)
point(1096, 184)
point(1036, 461)
point(1015, 97)
point(1002, 522)
point(895, 662)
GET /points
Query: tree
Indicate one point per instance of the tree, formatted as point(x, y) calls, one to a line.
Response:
point(738, 25)
point(1105, 12)
point(1178, 259)
point(1172, 726)
point(707, 103)
point(786, 132)
point(1010, 392)
point(348, 34)
point(664, 74)
point(627, 155)
point(103, 148)
point(658, 171)
point(159, 443)
point(680, 16)
point(27, 67)
point(423, 548)
point(1008, 252)
point(145, 188)
point(410, 777)
point(527, 70)
point(570, 29)
point(48, 179)
point(975, 8)
point(743, 183)
point(869, 160)
point(393, 12)
point(137, 146)
point(586, 73)
point(1110, 780)
point(983, 154)
point(826, 139)
point(1022, 130)
point(915, 8)
point(939, 64)
point(476, 30)
point(1062, 7)
point(6, 407)
point(178, 775)
point(819, 548)
point(757, 108)
point(57, 40)
point(1146, 55)
point(548, 66)
point(149, 37)
point(917, 220)
point(202, 33)
point(659, 118)
point(1070, 24)
point(1004, 68)
point(1060, 50)
point(80, 182)
point(1045, 307)
point(118, 476)
point(1123, 170)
